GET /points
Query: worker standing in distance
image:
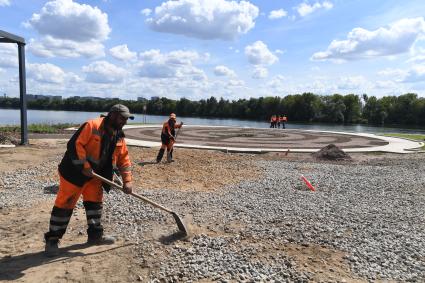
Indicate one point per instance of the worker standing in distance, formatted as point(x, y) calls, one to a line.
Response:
point(283, 119)
point(273, 121)
point(168, 138)
point(97, 146)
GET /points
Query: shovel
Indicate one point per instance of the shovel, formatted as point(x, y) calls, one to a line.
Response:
point(179, 222)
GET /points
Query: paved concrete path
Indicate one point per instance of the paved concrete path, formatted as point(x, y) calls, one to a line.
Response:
point(234, 139)
point(256, 140)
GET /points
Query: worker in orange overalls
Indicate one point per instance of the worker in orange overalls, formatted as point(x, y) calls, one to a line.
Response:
point(98, 146)
point(283, 120)
point(168, 138)
point(273, 121)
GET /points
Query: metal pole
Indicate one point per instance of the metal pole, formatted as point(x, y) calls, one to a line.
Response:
point(23, 94)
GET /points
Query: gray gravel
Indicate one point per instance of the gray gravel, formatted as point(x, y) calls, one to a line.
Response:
point(373, 211)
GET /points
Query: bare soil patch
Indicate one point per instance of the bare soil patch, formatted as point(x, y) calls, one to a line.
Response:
point(198, 170)
point(36, 153)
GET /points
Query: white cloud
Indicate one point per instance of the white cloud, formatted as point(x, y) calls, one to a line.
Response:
point(418, 55)
point(196, 74)
point(179, 63)
point(146, 12)
point(278, 51)
point(69, 29)
point(387, 84)
point(319, 84)
point(236, 83)
point(66, 19)
point(277, 14)
point(46, 73)
point(259, 54)
point(415, 74)
point(224, 71)
point(204, 19)
point(4, 3)
point(260, 72)
point(157, 70)
point(398, 38)
point(393, 74)
point(121, 52)
point(417, 59)
point(8, 55)
point(51, 47)
point(104, 72)
point(305, 9)
point(353, 83)
point(277, 84)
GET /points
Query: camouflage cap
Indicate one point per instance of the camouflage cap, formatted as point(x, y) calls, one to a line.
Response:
point(123, 110)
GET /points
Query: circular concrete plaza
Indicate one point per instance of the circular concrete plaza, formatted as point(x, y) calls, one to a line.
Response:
point(256, 138)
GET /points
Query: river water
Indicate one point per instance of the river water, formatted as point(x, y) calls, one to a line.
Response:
point(12, 117)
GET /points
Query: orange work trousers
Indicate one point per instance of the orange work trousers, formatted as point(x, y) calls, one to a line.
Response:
point(168, 146)
point(69, 193)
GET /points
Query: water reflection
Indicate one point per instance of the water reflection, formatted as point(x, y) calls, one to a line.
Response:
point(12, 117)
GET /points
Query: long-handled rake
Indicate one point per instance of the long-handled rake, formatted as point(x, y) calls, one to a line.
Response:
point(170, 154)
point(179, 222)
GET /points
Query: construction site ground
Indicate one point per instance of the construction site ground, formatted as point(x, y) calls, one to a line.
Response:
point(22, 227)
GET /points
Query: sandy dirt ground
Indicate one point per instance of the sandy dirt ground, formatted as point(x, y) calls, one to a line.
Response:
point(21, 228)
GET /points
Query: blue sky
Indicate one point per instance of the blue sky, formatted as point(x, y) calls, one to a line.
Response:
point(202, 48)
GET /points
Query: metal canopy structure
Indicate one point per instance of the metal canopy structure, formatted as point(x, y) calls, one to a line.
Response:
point(11, 38)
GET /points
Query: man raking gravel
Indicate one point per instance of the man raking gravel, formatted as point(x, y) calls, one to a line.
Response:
point(98, 146)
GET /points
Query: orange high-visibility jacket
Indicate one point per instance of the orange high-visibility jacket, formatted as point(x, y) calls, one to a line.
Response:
point(84, 150)
point(168, 130)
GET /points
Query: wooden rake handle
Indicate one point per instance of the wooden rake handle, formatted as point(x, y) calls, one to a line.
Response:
point(109, 182)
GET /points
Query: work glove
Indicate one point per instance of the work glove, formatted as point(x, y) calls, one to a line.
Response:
point(87, 172)
point(128, 187)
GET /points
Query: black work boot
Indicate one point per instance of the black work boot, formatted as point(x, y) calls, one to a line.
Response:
point(160, 155)
point(95, 228)
point(51, 249)
point(169, 156)
point(102, 240)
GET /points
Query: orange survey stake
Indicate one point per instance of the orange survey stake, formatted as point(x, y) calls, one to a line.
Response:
point(309, 185)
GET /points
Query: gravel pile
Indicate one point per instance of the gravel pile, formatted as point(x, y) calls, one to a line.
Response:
point(26, 186)
point(374, 212)
point(331, 152)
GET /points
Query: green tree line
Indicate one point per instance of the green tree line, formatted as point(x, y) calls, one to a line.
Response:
point(407, 109)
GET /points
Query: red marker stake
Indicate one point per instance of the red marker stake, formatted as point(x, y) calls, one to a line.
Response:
point(309, 185)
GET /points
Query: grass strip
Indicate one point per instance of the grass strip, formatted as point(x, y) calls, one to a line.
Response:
point(416, 137)
point(38, 128)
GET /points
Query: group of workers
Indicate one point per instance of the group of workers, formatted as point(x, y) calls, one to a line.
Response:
point(98, 146)
point(278, 120)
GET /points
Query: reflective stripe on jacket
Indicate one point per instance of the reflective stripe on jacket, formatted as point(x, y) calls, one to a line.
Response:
point(84, 150)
